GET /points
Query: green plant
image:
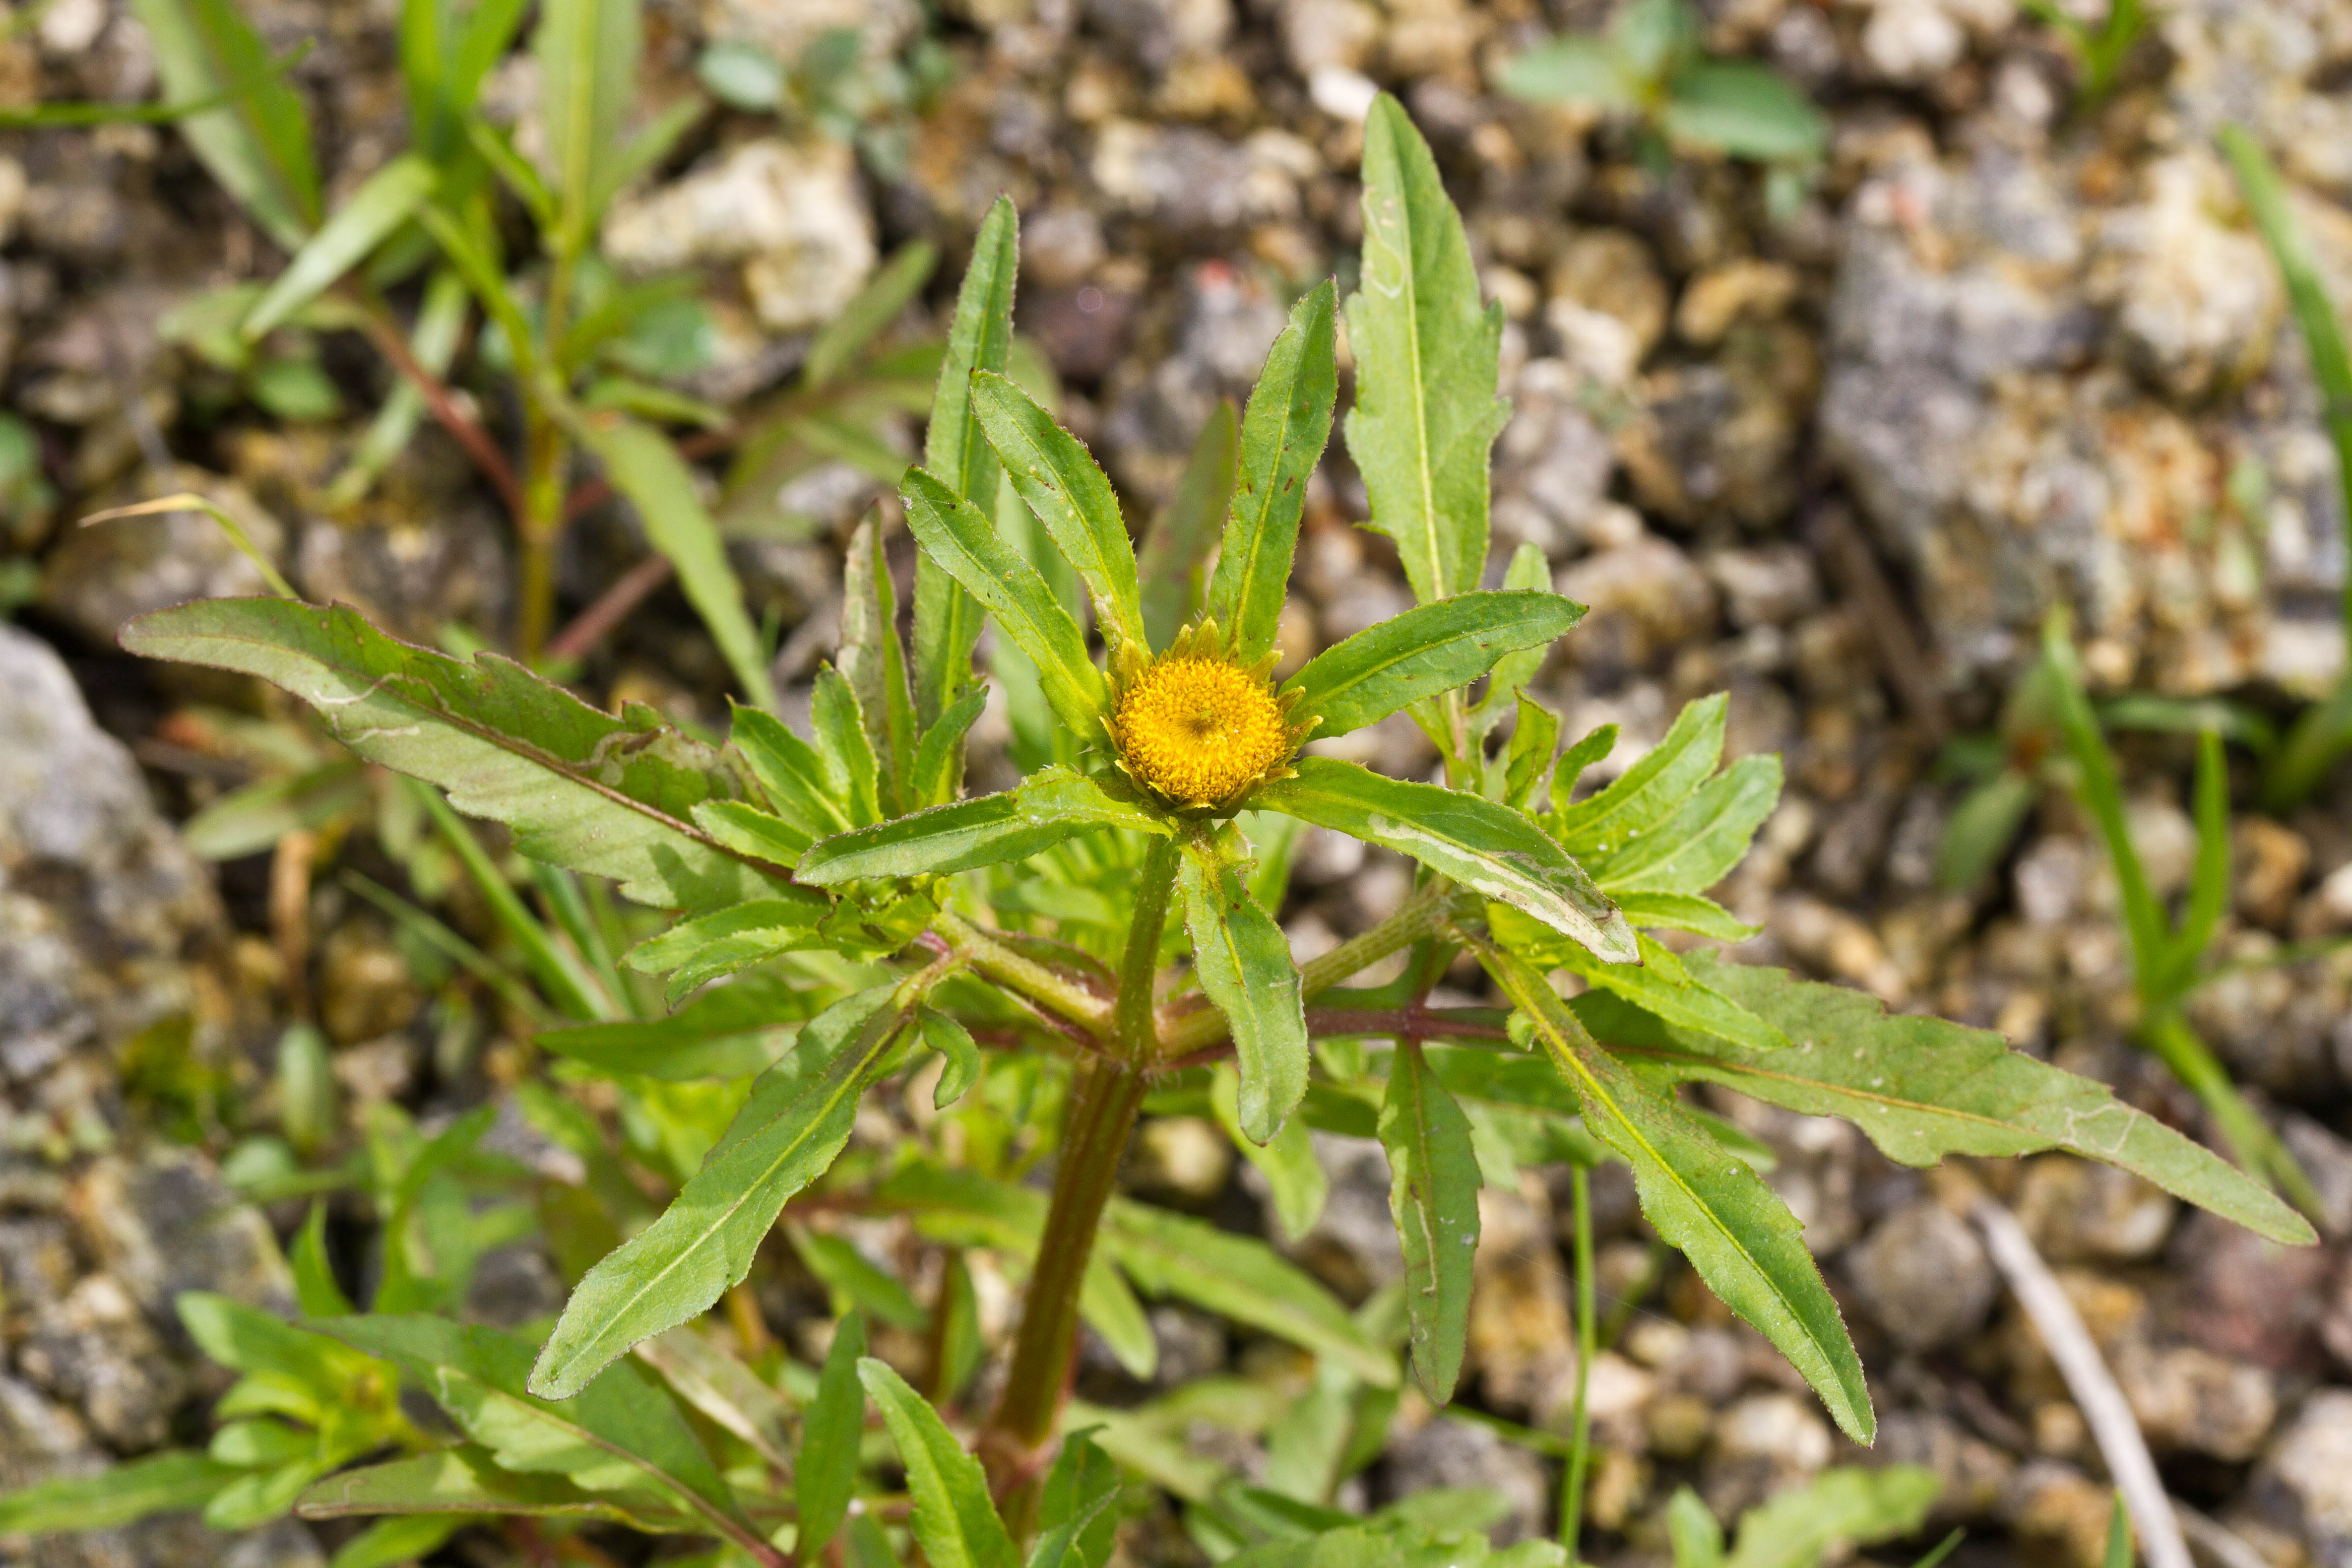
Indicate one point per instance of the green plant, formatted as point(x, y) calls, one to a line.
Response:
point(1797, 1528)
point(2099, 52)
point(2168, 958)
point(1649, 66)
point(1021, 976)
point(2323, 732)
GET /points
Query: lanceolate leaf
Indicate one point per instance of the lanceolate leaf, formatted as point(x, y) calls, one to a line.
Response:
point(934, 778)
point(1923, 1088)
point(1487, 848)
point(827, 1474)
point(1244, 1279)
point(382, 203)
point(1055, 804)
point(956, 535)
point(1243, 962)
point(644, 466)
point(730, 1032)
point(1703, 840)
point(947, 618)
point(955, 1521)
point(160, 1483)
point(1638, 798)
point(614, 796)
point(1429, 649)
point(789, 770)
point(466, 1479)
point(1426, 356)
point(1702, 1201)
point(874, 662)
point(1433, 1195)
point(622, 1434)
point(1070, 494)
point(258, 142)
point(587, 52)
point(796, 1121)
point(1076, 1521)
point(1289, 419)
point(1662, 984)
point(1169, 564)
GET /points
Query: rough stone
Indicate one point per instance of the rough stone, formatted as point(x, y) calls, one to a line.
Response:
point(1924, 1276)
point(2304, 1481)
point(789, 214)
point(1763, 1444)
point(98, 899)
point(1644, 600)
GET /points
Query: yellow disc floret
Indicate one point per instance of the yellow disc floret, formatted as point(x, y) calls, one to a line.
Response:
point(1198, 728)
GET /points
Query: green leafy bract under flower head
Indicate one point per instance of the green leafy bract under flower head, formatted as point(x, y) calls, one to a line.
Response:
point(1197, 727)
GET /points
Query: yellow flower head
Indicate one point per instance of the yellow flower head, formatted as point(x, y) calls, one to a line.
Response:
point(1197, 728)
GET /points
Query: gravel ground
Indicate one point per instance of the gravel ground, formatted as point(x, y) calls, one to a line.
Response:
point(1838, 456)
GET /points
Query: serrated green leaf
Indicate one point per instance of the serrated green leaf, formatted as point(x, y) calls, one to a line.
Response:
point(1426, 354)
point(1282, 440)
point(1242, 1278)
point(119, 1495)
point(825, 1474)
point(1434, 1184)
point(748, 831)
point(726, 940)
point(1661, 984)
point(1527, 571)
point(955, 535)
point(1529, 759)
point(1572, 763)
point(1293, 1175)
point(1702, 841)
point(954, 1520)
point(386, 200)
point(645, 467)
point(874, 662)
point(791, 773)
point(947, 617)
point(1429, 649)
point(1071, 495)
point(1487, 848)
point(1056, 804)
point(580, 788)
point(1744, 1243)
point(1921, 1088)
point(1175, 550)
point(1848, 1505)
point(1243, 962)
point(837, 724)
point(938, 770)
point(796, 1121)
point(1644, 794)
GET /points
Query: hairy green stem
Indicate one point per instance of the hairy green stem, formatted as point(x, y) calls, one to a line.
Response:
point(1102, 1112)
point(1025, 977)
point(1588, 1344)
point(1133, 1026)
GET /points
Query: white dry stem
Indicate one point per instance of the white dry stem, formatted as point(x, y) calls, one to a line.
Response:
point(2093, 1387)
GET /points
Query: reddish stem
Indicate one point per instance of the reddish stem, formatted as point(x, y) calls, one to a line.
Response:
point(612, 607)
point(470, 435)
